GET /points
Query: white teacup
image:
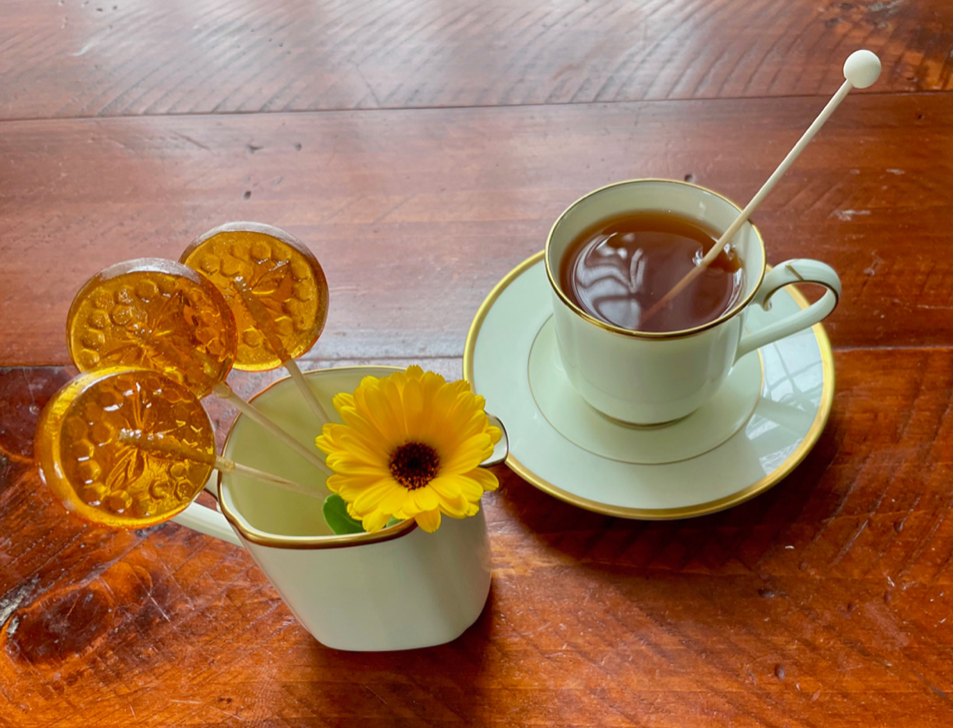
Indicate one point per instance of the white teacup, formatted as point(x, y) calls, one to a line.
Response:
point(651, 378)
point(399, 588)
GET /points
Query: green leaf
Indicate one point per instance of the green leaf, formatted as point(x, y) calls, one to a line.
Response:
point(335, 513)
point(392, 522)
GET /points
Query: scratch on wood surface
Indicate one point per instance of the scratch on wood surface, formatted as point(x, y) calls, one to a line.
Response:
point(368, 688)
point(875, 264)
point(192, 141)
point(930, 685)
point(848, 215)
point(231, 715)
point(14, 598)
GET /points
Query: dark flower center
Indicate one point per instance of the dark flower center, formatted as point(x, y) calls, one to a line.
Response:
point(414, 465)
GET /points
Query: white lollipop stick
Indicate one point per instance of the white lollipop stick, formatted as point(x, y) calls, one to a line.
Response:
point(298, 377)
point(861, 69)
point(151, 443)
point(223, 391)
point(261, 317)
point(251, 412)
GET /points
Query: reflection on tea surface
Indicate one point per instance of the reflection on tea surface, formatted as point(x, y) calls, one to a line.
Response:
point(616, 269)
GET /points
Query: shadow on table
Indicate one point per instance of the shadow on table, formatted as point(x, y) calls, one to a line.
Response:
point(786, 516)
point(439, 684)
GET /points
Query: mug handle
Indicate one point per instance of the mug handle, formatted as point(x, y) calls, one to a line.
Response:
point(207, 520)
point(798, 270)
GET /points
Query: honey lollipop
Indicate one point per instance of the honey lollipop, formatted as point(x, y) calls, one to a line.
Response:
point(276, 290)
point(163, 315)
point(89, 451)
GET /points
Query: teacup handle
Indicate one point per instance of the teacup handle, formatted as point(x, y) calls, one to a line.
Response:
point(799, 270)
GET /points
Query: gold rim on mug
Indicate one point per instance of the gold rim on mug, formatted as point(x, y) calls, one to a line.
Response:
point(651, 334)
point(262, 538)
point(664, 514)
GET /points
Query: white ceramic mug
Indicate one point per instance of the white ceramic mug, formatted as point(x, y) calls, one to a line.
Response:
point(651, 378)
point(399, 588)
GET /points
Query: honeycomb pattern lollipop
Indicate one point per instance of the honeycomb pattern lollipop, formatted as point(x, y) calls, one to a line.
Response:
point(162, 315)
point(274, 286)
point(154, 313)
point(103, 479)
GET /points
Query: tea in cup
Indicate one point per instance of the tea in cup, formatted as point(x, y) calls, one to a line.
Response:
point(615, 253)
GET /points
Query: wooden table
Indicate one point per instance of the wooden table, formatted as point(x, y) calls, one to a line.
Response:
point(422, 149)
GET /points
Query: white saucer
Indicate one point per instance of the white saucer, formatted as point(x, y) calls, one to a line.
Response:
point(751, 434)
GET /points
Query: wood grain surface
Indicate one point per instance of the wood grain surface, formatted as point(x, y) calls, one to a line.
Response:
point(823, 602)
point(422, 149)
point(448, 200)
point(128, 57)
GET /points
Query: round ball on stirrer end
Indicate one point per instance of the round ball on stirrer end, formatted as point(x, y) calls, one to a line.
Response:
point(862, 69)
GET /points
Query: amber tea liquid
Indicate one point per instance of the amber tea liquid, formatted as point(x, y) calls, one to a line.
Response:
point(618, 268)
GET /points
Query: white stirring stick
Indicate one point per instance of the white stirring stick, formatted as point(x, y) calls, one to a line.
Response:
point(151, 443)
point(861, 69)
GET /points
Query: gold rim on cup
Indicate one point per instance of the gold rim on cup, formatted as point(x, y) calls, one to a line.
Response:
point(734, 310)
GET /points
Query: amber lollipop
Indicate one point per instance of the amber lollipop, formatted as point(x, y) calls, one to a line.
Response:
point(162, 315)
point(276, 290)
point(128, 448)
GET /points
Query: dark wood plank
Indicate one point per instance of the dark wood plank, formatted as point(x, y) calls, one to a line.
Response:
point(824, 602)
point(130, 57)
point(416, 214)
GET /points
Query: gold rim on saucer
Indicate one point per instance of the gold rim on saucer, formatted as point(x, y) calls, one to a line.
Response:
point(658, 514)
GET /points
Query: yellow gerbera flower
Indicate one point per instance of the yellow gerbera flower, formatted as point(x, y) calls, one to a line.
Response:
point(410, 447)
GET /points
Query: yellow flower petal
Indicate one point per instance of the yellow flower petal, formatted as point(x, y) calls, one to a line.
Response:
point(451, 486)
point(455, 507)
point(428, 520)
point(425, 499)
point(345, 462)
point(334, 483)
point(413, 397)
point(379, 406)
point(342, 400)
point(484, 478)
point(412, 407)
point(375, 521)
point(350, 488)
point(355, 446)
point(395, 499)
point(468, 455)
point(371, 496)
